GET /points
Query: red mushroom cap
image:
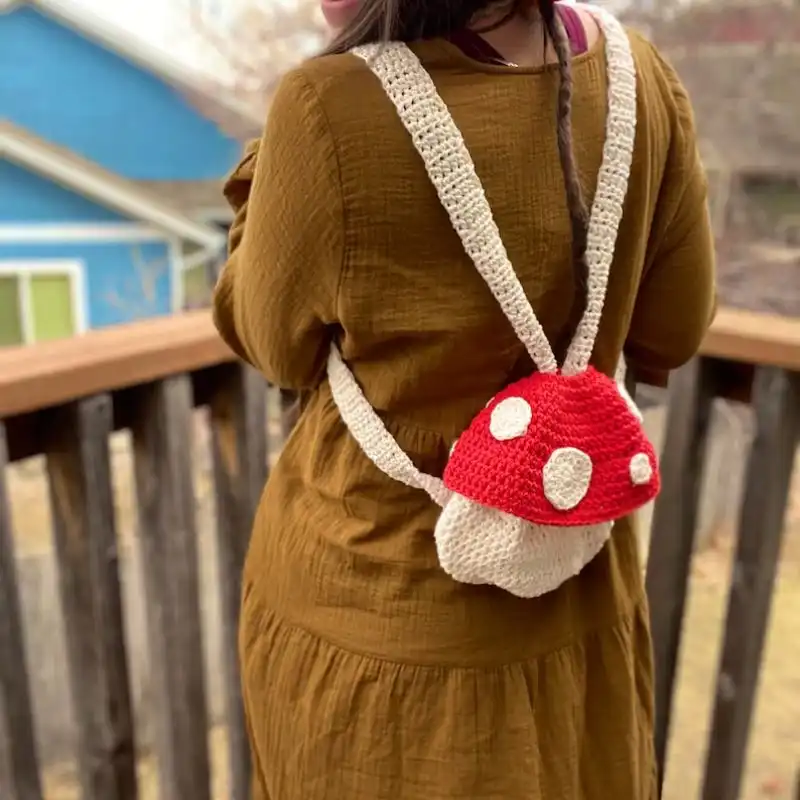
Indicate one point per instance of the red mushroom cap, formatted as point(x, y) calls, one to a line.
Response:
point(557, 450)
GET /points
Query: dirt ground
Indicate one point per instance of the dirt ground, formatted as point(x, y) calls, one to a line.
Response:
point(774, 754)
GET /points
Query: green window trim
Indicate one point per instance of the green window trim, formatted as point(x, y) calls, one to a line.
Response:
point(38, 304)
point(11, 328)
point(51, 297)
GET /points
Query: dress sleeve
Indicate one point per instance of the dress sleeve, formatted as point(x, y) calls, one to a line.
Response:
point(677, 298)
point(275, 301)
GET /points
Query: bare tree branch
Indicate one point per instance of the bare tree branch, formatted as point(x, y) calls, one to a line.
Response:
point(138, 296)
point(254, 47)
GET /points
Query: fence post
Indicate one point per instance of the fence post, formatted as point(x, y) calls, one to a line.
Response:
point(239, 447)
point(85, 534)
point(673, 531)
point(776, 406)
point(168, 534)
point(17, 731)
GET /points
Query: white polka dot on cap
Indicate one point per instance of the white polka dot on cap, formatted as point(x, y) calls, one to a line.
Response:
point(567, 476)
point(641, 469)
point(510, 419)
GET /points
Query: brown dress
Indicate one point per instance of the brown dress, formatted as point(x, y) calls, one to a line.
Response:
point(368, 673)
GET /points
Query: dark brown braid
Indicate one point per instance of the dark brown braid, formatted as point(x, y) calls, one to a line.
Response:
point(576, 205)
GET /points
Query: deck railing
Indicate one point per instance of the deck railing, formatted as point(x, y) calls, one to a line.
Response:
point(65, 399)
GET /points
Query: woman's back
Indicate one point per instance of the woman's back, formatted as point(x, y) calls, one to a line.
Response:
point(376, 251)
point(346, 240)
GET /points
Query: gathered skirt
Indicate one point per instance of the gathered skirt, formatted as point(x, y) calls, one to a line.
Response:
point(369, 674)
point(327, 724)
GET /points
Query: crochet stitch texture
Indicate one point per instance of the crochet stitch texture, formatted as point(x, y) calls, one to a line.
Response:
point(533, 486)
point(569, 449)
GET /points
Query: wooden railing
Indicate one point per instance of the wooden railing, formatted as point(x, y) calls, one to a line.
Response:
point(65, 399)
point(755, 358)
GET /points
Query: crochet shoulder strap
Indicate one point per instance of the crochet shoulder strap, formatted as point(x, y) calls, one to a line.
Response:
point(612, 186)
point(452, 172)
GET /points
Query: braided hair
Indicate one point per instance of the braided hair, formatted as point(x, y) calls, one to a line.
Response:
point(576, 204)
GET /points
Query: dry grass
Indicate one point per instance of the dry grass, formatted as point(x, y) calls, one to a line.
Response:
point(774, 754)
point(61, 784)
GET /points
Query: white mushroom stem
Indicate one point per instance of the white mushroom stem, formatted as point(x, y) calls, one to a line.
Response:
point(481, 545)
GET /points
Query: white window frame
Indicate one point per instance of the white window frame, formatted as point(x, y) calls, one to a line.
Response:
point(58, 233)
point(24, 269)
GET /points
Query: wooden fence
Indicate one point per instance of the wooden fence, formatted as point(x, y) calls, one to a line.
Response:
point(65, 399)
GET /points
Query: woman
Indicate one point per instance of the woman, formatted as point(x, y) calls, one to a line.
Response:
point(368, 672)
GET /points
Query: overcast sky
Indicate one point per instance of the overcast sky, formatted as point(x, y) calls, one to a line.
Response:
point(160, 22)
point(142, 16)
point(164, 23)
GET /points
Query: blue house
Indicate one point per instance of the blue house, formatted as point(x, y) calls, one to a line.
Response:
point(110, 178)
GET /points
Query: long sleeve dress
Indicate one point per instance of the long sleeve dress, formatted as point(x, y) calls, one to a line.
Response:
point(369, 674)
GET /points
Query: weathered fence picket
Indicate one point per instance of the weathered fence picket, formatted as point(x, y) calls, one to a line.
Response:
point(673, 532)
point(16, 724)
point(85, 534)
point(776, 407)
point(239, 449)
point(162, 437)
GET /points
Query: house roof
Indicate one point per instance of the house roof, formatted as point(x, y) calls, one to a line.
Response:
point(137, 51)
point(90, 180)
point(739, 60)
point(199, 199)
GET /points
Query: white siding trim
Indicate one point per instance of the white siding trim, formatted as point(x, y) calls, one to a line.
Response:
point(73, 268)
point(95, 184)
point(45, 232)
point(214, 215)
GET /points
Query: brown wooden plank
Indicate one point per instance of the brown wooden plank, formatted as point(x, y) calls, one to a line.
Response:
point(754, 338)
point(168, 538)
point(16, 722)
point(776, 406)
point(85, 534)
point(674, 524)
point(54, 373)
point(239, 446)
point(24, 432)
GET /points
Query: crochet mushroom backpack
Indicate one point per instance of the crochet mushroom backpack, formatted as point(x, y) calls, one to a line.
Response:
point(533, 486)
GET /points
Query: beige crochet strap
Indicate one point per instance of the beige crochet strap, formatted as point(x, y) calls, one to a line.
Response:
point(367, 428)
point(452, 172)
point(612, 185)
